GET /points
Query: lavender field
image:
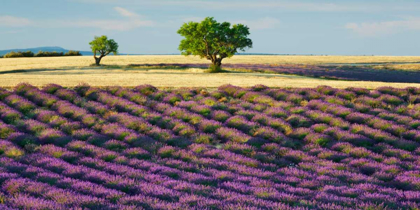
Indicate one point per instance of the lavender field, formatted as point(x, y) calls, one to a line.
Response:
point(232, 148)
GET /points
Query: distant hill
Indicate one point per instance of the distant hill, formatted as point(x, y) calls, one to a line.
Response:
point(44, 49)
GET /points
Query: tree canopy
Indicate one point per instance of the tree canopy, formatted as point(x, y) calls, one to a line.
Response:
point(213, 40)
point(103, 46)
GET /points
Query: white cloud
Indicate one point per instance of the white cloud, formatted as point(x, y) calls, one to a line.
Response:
point(128, 21)
point(132, 21)
point(11, 21)
point(238, 4)
point(125, 12)
point(120, 25)
point(289, 5)
point(385, 27)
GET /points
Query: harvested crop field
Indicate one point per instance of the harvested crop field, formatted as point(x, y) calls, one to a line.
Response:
point(181, 71)
point(188, 148)
point(54, 62)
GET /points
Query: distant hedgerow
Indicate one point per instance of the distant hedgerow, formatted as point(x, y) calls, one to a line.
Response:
point(72, 53)
point(40, 53)
point(19, 54)
point(49, 54)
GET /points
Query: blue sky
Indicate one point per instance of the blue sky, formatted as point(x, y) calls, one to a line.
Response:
point(356, 27)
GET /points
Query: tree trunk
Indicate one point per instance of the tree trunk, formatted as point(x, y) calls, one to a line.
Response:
point(215, 66)
point(98, 60)
point(217, 63)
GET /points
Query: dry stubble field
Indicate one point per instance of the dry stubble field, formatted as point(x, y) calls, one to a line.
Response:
point(71, 71)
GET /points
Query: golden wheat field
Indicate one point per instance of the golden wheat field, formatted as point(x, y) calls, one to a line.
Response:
point(54, 62)
point(71, 71)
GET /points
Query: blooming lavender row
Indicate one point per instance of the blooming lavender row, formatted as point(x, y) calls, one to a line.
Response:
point(233, 148)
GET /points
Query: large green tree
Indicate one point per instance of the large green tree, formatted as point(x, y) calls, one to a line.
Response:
point(103, 46)
point(213, 40)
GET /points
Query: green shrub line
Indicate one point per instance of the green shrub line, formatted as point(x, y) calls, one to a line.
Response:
point(21, 54)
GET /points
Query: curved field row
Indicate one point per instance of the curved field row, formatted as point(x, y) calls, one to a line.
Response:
point(188, 148)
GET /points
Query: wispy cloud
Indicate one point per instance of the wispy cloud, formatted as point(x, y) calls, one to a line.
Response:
point(131, 21)
point(125, 12)
point(128, 21)
point(11, 21)
point(120, 25)
point(238, 4)
point(289, 5)
point(372, 29)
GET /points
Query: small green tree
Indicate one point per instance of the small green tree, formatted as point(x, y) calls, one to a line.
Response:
point(213, 41)
point(103, 46)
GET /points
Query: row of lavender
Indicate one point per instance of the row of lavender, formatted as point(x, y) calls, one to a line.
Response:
point(234, 148)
